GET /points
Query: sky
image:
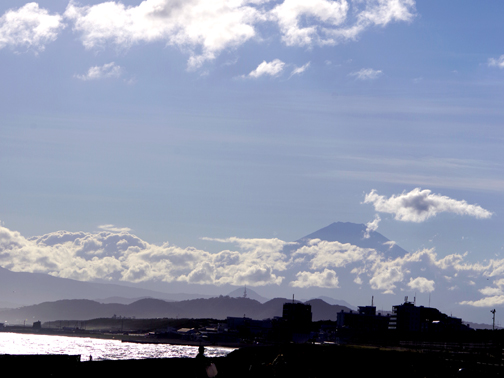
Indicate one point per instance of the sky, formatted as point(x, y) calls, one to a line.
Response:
point(135, 136)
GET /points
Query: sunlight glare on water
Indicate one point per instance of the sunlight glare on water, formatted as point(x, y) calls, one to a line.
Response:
point(99, 349)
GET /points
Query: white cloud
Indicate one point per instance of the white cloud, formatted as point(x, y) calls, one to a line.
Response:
point(112, 228)
point(419, 205)
point(386, 274)
point(253, 253)
point(327, 279)
point(273, 68)
point(422, 284)
point(366, 74)
point(324, 12)
point(29, 28)
point(203, 28)
point(327, 22)
point(390, 244)
point(486, 302)
point(376, 12)
point(499, 62)
point(300, 70)
point(102, 72)
point(323, 254)
point(382, 12)
point(257, 275)
point(372, 226)
point(120, 256)
point(493, 295)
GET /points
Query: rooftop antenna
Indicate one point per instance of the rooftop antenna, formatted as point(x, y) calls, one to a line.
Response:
point(292, 298)
point(372, 300)
point(493, 317)
point(414, 300)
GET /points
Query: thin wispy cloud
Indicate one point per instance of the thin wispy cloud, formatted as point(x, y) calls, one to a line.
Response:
point(109, 70)
point(372, 226)
point(273, 68)
point(499, 62)
point(366, 74)
point(112, 228)
point(300, 70)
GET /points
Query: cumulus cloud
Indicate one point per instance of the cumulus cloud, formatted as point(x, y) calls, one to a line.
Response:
point(382, 12)
point(273, 68)
point(372, 226)
point(499, 62)
point(327, 279)
point(115, 254)
point(324, 22)
point(383, 273)
point(254, 264)
point(422, 284)
point(419, 205)
point(366, 74)
point(102, 72)
point(300, 70)
point(323, 254)
point(200, 27)
point(289, 13)
point(29, 27)
point(388, 274)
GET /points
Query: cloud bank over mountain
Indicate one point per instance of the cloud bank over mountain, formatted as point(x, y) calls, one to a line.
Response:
point(123, 257)
point(200, 28)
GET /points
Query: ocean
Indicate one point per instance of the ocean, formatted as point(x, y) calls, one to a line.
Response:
point(98, 349)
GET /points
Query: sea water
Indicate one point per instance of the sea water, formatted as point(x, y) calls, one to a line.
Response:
point(98, 349)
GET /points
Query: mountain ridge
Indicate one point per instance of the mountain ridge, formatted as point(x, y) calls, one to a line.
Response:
point(217, 308)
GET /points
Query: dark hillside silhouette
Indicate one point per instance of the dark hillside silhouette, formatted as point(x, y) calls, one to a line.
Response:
point(217, 308)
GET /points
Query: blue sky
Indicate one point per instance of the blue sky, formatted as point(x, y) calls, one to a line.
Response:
point(177, 121)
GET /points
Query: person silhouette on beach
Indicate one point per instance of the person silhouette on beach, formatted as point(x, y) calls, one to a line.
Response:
point(201, 362)
point(204, 367)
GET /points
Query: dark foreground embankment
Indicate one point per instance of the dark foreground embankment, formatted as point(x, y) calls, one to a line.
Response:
point(287, 361)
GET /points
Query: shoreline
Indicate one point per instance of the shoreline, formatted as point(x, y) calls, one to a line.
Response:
point(125, 338)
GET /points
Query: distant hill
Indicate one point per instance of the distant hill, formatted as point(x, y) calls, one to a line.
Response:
point(217, 308)
point(22, 288)
point(238, 293)
point(339, 302)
